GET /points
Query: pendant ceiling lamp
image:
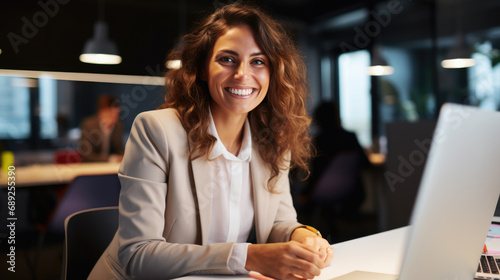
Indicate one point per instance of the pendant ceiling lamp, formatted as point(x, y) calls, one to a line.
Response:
point(379, 66)
point(460, 55)
point(100, 49)
point(175, 62)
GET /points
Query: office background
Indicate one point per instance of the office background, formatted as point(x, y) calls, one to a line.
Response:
point(46, 91)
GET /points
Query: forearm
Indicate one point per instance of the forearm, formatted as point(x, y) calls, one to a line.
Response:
point(282, 231)
point(163, 260)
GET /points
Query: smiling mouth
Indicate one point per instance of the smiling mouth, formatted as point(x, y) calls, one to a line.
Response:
point(240, 91)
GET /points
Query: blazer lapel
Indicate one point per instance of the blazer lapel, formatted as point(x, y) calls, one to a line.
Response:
point(203, 185)
point(260, 175)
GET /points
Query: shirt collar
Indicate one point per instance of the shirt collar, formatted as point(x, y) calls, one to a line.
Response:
point(219, 148)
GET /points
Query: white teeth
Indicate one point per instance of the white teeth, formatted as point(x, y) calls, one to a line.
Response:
point(240, 91)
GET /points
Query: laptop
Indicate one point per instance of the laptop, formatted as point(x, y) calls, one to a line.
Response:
point(456, 200)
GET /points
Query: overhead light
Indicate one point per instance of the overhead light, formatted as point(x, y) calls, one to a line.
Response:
point(380, 70)
point(100, 49)
point(459, 56)
point(379, 66)
point(173, 64)
point(458, 63)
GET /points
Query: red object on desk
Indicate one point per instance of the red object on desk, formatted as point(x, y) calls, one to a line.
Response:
point(67, 156)
point(485, 249)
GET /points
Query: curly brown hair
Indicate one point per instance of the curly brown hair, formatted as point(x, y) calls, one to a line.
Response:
point(279, 124)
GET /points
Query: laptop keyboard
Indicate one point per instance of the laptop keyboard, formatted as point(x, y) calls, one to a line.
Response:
point(488, 264)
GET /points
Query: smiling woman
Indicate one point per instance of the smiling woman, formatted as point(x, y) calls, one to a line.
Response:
point(238, 80)
point(205, 186)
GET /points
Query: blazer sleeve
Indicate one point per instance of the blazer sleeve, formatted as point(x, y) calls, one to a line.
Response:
point(143, 251)
point(286, 217)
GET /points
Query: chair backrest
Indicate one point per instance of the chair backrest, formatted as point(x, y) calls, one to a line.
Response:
point(87, 235)
point(85, 192)
point(339, 178)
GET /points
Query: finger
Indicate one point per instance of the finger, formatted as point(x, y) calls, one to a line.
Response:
point(312, 244)
point(325, 249)
point(305, 269)
point(323, 253)
point(329, 256)
point(305, 255)
point(292, 277)
point(297, 276)
point(259, 276)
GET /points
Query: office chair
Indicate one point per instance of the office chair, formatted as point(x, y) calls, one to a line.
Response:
point(84, 192)
point(339, 178)
point(337, 193)
point(87, 235)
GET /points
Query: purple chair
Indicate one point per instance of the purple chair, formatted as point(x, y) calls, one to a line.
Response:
point(83, 193)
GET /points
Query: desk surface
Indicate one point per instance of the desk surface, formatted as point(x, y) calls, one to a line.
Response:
point(57, 174)
point(381, 252)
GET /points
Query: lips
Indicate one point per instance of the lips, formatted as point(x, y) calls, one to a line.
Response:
point(240, 91)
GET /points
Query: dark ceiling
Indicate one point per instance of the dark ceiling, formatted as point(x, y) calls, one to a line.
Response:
point(50, 37)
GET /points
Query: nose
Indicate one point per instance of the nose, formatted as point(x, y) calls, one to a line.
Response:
point(242, 72)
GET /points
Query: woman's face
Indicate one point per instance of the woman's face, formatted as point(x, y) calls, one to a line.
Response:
point(238, 73)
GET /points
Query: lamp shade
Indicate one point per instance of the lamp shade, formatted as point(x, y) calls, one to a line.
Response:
point(100, 49)
point(379, 66)
point(458, 57)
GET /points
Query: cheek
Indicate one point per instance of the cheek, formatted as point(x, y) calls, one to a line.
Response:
point(264, 78)
point(216, 76)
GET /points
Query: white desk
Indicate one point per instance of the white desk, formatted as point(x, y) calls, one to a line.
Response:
point(382, 252)
point(57, 174)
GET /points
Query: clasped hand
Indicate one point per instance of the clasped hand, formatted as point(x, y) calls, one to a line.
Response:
point(301, 258)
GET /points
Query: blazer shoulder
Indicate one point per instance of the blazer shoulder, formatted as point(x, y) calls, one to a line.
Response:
point(166, 117)
point(161, 122)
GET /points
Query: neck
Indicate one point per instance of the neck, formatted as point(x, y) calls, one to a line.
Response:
point(230, 130)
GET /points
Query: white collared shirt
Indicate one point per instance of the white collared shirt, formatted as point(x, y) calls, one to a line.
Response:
point(232, 203)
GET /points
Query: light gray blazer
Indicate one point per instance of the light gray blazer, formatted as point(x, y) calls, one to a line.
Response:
point(165, 207)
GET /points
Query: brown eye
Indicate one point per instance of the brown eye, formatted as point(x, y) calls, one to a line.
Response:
point(258, 62)
point(226, 59)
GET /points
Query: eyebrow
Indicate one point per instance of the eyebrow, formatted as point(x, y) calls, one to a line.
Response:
point(236, 54)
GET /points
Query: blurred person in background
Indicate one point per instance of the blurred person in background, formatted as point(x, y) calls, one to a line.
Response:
point(102, 133)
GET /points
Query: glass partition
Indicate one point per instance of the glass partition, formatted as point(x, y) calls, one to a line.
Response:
point(44, 110)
